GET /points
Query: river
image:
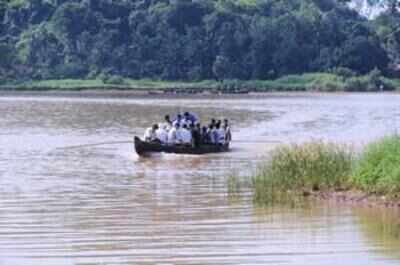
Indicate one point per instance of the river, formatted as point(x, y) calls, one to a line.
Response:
point(65, 198)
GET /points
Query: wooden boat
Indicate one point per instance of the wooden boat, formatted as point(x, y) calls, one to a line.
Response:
point(143, 148)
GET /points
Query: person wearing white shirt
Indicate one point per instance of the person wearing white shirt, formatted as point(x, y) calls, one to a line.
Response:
point(228, 133)
point(162, 134)
point(185, 136)
point(220, 132)
point(185, 122)
point(173, 135)
point(211, 133)
point(150, 133)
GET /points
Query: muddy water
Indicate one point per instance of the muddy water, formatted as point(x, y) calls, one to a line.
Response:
point(66, 200)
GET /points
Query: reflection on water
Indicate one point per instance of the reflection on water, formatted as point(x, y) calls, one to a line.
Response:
point(381, 227)
point(102, 204)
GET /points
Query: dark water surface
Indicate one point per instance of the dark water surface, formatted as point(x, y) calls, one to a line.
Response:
point(63, 203)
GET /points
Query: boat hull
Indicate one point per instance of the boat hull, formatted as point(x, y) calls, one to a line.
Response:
point(143, 148)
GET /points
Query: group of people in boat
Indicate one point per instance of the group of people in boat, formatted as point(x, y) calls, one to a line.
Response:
point(186, 129)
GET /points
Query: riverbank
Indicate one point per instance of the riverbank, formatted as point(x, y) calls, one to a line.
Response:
point(331, 172)
point(320, 82)
point(143, 94)
point(355, 198)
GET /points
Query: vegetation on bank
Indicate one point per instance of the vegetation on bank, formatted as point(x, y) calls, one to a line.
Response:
point(193, 40)
point(341, 80)
point(297, 170)
point(378, 169)
point(115, 82)
point(293, 170)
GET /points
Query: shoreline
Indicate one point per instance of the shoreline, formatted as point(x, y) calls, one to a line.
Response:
point(116, 93)
point(312, 82)
point(355, 198)
point(149, 93)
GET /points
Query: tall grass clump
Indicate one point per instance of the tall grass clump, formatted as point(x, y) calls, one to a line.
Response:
point(378, 168)
point(293, 170)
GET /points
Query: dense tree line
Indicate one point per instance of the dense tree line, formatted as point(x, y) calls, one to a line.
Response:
point(191, 39)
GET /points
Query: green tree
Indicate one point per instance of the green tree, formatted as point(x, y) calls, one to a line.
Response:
point(194, 40)
point(221, 68)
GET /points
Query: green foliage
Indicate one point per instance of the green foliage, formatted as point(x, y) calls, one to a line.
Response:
point(294, 169)
point(373, 81)
point(387, 27)
point(343, 72)
point(17, 3)
point(6, 55)
point(114, 79)
point(191, 40)
point(324, 82)
point(221, 67)
point(378, 168)
point(392, 6)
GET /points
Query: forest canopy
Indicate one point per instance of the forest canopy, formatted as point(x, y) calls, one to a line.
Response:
point(191, 39)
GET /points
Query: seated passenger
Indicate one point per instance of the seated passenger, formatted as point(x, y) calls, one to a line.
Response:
point(173, 135)
point(184, 135)
point(150, 134)
point(162, 134)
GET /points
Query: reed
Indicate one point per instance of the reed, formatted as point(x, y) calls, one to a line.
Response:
point(293, 170)
point(378, 168)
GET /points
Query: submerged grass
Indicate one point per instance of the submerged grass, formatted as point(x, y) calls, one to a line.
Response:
point(293, 170)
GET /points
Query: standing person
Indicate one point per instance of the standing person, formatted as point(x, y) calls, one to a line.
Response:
point(220, 134)
point(185, 136)
point(177, 121)
point(228, 133)
point(167, 123)
point(162, 134)
point(196, 134)
point(212, 134)
point(205, 139)
point(150, 134)
point(173, 135)
point(190, 118)
point(213, 123)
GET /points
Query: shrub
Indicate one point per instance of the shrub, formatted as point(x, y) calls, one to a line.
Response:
point(343, 72)
point(389, 84)
point(356, 84)
point(378, 169)
point(115, 80)
point(294, 169)
point(326, 86)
